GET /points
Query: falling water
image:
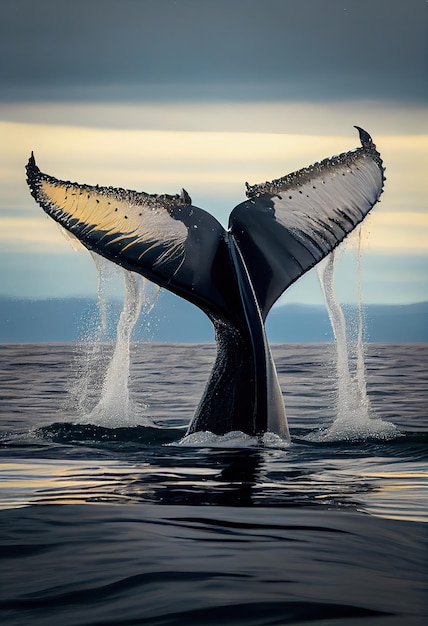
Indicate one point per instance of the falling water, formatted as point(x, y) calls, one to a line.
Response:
point(361, 370)
point(354, 417)
point(326, 277)
point(109, 378)
point(115, 407)
point(90, 362)
point(103, 269)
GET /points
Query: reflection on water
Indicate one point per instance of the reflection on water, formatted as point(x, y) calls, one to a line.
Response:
point(339, 478)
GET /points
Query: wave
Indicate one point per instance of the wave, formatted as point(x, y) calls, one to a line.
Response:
point(90, 435)
point(158, 565)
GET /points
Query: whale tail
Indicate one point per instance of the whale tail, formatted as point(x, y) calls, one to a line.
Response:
point(281, 231)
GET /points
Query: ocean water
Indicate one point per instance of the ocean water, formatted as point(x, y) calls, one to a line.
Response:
point(119, 522)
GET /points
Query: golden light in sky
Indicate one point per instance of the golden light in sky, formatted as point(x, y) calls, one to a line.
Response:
point(209, 165)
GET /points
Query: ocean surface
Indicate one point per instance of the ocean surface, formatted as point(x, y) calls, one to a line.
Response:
point(109, 518)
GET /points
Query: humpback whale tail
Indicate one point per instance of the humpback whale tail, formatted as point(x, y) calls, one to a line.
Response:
point(281, 231)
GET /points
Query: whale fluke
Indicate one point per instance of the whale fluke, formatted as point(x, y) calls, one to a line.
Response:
point(282, 230)
point(288, 225)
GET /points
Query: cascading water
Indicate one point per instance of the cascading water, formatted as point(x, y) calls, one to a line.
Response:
point(90, 362)
point(109, 377)
point(115, 407)
point(361, 370)
point(355, 418)
point(103, 269)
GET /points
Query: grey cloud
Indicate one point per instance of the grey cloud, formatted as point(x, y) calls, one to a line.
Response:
point(206, 49)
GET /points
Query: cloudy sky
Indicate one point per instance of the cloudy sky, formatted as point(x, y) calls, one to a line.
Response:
point(156, 95)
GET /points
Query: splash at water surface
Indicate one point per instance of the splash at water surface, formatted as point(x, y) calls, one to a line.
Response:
point(354, 416)
point(114, 408)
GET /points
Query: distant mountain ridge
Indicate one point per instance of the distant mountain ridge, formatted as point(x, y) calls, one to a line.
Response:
point(175, 320)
